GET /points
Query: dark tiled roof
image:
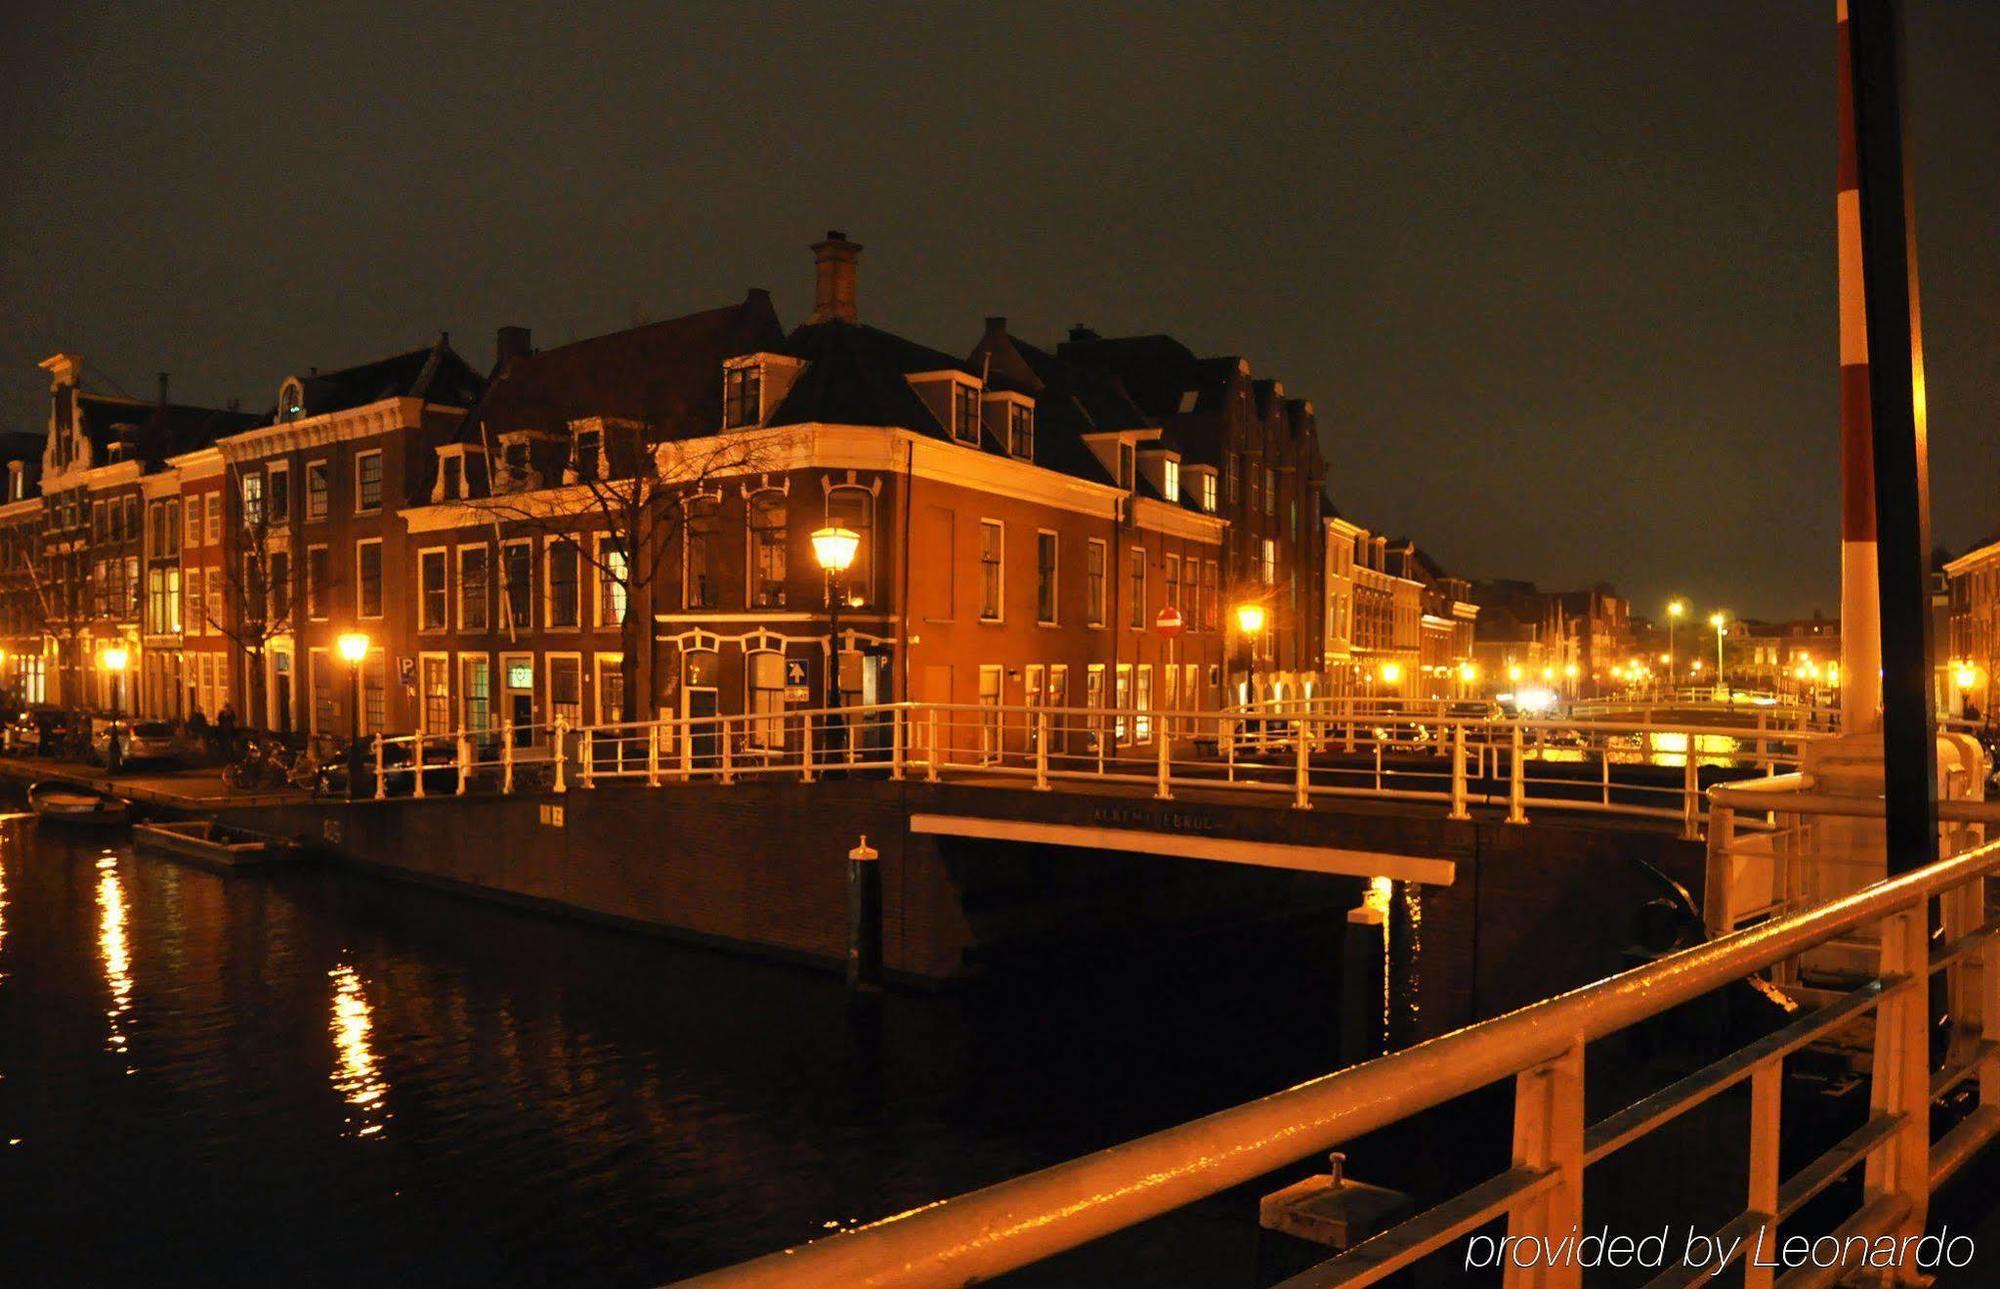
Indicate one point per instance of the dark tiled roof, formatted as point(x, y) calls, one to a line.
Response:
point(856, 376)
point(1074, 401)
point(20, 445)
point(434, 373)
point(665, 375)
point(1153, 369)
point(157, 431)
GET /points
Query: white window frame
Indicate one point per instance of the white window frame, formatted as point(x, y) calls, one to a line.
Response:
point(273, 470)
point(549, 660)
point(424, 658)
point(423, 590)
point(604, 661)
point(359, 457)
point(318, 612)
point(999, 606)
point(459, 660)
point(192, 517)
point(325, 469)
point(458, 601)
point(502, 602)
point(360, 583)
point(549, 546)
point(601, 574)
point(1055, 578)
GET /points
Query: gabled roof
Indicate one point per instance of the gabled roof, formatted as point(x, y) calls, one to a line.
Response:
point(856, 376)
point(1153, 369)
point(434, 373)
point(155, 431)
point(665, 375)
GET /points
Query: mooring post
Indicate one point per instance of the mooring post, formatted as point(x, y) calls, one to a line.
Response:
point(506, 760)
point(556, 733)
point(864, 918)
point(381, 781)
point(1459, 809)
point(1517, 784)
point(1691, 795)
point(1162, 790)
point(1042, 752)
point(464, 761)
point(1364, 958)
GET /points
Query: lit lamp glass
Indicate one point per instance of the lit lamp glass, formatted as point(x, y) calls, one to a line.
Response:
point(353, 646)
point(1250, 618)
point(834, 548)
point(1675, 608)
point(1966, 676)
point(1716, 620)
point(1514, 673)
point(1570, 671)
point(1391, 672)
point(115, 659)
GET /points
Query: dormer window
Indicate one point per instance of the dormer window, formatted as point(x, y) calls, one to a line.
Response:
point(1170, 479)
point(1208, 491)
point(586, 462)
point(965, 413)
point(1128, 466)
point(451, 482)
point(1021, 431)
point(291, 401)
point(517, 471)
point(742, 396)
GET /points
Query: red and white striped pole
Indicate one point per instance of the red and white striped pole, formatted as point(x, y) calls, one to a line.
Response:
point(1860, 598)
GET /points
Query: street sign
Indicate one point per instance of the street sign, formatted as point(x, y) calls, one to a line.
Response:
point(1169, 623)
point(798, 671)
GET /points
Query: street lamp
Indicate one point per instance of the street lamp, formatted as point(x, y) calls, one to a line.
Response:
point(834, 548)
point(1717, 620)
point(1674, 610)
point(353, 649)
point(1250, 622)
point(114, 660)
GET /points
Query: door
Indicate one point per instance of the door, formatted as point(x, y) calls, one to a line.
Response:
point(281, 692)
point(700, 702)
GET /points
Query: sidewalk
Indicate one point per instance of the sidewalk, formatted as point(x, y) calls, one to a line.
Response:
point(186, 789)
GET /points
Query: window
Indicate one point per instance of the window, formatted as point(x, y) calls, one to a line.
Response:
point(368, 578)
point(853, 507)
point(156, 599)
point(253, 498)
point(767, 700)
point(434, 592)
point(173, 600)
point(565, 603)
point(367, 482)
point(1094, 578)
point(131, 609)
point(280, 589)
point(518, 583)
point(1136, 563)
point(613, 589)
point(964, 413)
point(1211, 600)
point(1121, 700)
point(171, 534)
point(374, 693)
point(991, 538)
point(1045, 578)
point(451, 470)
point(131, 516)
point(566, 687)
point(767, 549)
point(319, 581)
point(1093, 691)
point(472, 588)
point(1268, 573)
point(610, 687)
point(1208, 491)
point(1127, 470)
point(319, 675)
point(1170, 480)
point(1021, 431)
point(214, 518)
point(742, 396)
point(196, 612)
point(701, 581)
point(98, 528)
point(194, 521)
point(586, 456)
point(436, 681)
point(475, 690)
point(1142, 705)
point(279, 493)
point(1270, 491)
point(1171, 581)
point(990, 680)
point(319, 490)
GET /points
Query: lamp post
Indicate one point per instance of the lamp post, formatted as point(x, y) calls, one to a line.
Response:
point(1250, 622)
point(1717, 620)
point(353, 647)
point(115, 660)
point(834, 548)
point(1675, 608)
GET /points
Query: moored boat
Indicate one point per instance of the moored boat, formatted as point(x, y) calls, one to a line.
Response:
point(63, 803)
point(207, 842)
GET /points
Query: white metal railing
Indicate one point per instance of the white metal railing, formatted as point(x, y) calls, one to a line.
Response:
point(1542, 1050)
point(1304, 751)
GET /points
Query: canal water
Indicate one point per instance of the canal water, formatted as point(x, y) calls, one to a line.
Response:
point(316, 1077)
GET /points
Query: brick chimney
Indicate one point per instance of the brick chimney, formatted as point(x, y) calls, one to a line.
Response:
point(1080, 334)
point(510, 342)
point(833, 297)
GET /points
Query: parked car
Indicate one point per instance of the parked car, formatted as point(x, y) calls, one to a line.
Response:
point(151, 741)
point(399, 780)
point(40, 731)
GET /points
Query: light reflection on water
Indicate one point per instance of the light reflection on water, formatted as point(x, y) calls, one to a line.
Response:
point(115, 952)
point(356, 1075)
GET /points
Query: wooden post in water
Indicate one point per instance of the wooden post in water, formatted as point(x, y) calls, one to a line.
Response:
point(864, 919)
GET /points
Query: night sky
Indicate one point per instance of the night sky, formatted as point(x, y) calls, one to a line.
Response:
point(1559, 278)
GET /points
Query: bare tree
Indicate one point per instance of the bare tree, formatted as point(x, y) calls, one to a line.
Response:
point(261, 586)
point(63, 601)
point(621, 504)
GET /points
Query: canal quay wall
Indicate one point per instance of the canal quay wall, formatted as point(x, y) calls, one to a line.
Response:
point(1531, 910)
